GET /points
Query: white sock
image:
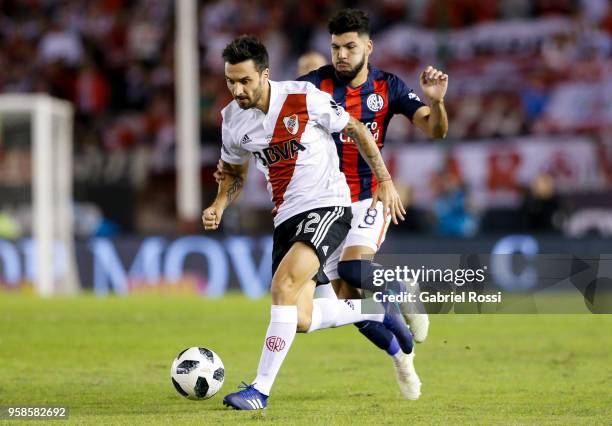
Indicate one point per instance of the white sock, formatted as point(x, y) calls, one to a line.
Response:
point(328, 313)
point(279, 337)
point(326, 291)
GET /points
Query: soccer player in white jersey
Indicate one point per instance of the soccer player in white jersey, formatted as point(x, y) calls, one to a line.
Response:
point(354, 83)
point(287, 127)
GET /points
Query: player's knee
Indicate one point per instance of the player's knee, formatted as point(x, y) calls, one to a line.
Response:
point(281, 295)
point(354, 272)
point(285, 288)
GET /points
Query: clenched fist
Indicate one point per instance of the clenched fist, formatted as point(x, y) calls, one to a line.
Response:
point(211, 217)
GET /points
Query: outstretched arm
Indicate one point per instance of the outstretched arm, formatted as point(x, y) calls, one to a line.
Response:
point(229, 189)
point(432, 119)
point(368, 149)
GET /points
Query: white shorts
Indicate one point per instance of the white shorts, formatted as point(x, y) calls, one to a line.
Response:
point(368, 228)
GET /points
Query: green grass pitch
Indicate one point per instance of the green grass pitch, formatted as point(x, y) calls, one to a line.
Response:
point(108, 360)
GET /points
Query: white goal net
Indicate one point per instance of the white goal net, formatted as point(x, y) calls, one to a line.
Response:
point(38, 129)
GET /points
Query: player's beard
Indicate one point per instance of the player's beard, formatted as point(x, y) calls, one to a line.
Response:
point(348, 75)
point(253, 99)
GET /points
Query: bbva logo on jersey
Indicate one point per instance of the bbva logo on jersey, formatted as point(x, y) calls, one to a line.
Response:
point(292, 123)
point(278, 152)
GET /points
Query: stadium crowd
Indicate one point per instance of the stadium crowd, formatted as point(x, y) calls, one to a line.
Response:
point(114, 59)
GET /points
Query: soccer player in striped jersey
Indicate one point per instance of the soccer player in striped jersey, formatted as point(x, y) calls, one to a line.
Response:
point(373, 96)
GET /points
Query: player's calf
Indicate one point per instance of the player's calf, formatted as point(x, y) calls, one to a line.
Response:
point(304, 307)
point(345, 291)
point(378, 334)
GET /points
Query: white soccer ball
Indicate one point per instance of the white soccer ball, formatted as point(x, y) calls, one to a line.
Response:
point(197, 373)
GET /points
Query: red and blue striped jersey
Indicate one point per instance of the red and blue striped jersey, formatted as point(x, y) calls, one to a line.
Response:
point(373, 103)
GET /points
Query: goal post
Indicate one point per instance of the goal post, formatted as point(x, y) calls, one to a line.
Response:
point(50, 129)
point(188, 189)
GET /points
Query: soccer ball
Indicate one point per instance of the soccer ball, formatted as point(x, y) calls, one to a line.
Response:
point(197, 373)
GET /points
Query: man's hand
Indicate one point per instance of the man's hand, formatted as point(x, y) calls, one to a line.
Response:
point(432, 119)
point(433, 84)
point(392, 203)
point(386, 192)
point(211, 217)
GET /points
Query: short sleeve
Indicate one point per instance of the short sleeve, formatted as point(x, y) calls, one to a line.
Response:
point(403, 100)
point(325, 111)
point(231, 152)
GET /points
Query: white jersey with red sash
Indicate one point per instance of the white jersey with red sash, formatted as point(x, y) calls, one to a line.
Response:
point(292, 145)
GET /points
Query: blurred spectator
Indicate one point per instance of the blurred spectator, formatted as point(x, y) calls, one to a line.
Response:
point(145, 35)
point(451, 207)
point(516, 67)
point(92, 90)
point(111, 56)
point(310, 61)
point(501, 116)
point(534, 96)
point(60, 44)
point(138, 88)
point(160, 124)
point(539, 205)
point(560, 53)
point(416, 218)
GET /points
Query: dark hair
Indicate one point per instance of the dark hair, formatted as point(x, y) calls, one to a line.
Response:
point(244, 48)
point(349, 20)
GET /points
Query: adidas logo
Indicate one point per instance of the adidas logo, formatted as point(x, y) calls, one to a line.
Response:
point(245, 139)
point(255, 404)
point(325, 248)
